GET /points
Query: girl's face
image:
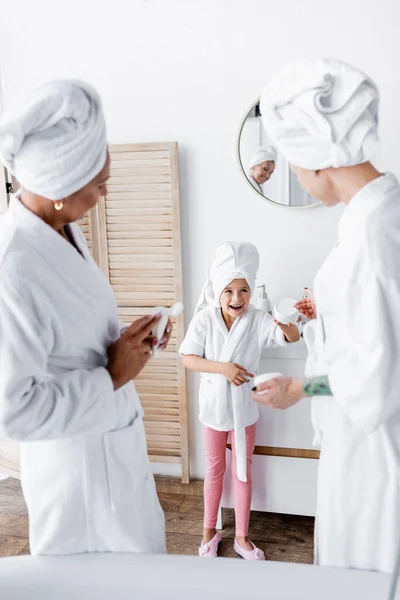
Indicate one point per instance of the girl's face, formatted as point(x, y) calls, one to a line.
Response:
point(235, 298)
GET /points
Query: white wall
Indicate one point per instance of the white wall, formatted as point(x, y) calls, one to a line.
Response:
point(188, 70)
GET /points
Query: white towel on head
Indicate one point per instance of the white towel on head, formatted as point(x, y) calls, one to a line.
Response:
point(321, 113)
point(263, 154)
point(54, 140)
point(232, 260)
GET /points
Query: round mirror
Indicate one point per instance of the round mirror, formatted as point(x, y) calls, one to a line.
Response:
point(266, 170)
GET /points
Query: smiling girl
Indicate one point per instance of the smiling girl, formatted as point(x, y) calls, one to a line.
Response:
point(224, 342)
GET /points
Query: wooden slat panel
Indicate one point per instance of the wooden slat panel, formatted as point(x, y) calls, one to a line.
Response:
point(166, 400)
point(135, 238)
point(169, 440)
point(166, 377)
point(126, 284)
point(164, 458)
point(161, 371)
point(125, 231)
point(137, 179)
point(170, 427)
point(155, 396)
point(140, 249)
point(154, 367)
point(145, 243)
point(148, 259)
point(145, 266)
point(128, 186)
point(157, 162)
point(137, 200)
point(169, 387)
point(173, 418)
point(154, 146)
point(147, 275)
point(141, 211)
point(85, 228)
point(163, 450)
point(139, 221)
point(134, 155)
point(123, 242)
point(146, 171)
point(173, 448)
point(154, 302)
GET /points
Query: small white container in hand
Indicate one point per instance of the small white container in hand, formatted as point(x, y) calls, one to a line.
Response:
point(174, 311)
point(263, 378)
point(285, 311)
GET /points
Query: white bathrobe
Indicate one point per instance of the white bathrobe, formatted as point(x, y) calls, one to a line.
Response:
point(357, 293)
point(223, 406)
point(255, 185)
point(85, 473)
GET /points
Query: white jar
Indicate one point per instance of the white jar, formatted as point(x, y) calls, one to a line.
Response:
point(259, 379)
point(285, 311)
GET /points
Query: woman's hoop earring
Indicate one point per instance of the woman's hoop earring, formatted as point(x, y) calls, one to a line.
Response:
point(58, 205)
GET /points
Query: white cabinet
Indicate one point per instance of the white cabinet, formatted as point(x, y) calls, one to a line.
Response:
point(282, 484)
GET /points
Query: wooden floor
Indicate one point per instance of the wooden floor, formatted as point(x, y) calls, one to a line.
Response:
point(282, 537)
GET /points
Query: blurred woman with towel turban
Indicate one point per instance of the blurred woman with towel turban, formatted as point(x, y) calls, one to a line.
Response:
point(323, 116)
point(261, 166)
point(66, 362)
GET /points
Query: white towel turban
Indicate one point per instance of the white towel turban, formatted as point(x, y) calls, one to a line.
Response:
point(264, 153)
point(232, 260)
point(321, 113)
point(54, 141)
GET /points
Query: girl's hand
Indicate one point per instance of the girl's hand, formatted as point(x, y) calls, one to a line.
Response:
point(290, 331)
point(235, 374)
point(281, 392)
point(307, 308)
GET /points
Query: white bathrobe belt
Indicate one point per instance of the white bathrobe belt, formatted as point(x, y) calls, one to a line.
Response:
point(231, 351)
point(239, 427)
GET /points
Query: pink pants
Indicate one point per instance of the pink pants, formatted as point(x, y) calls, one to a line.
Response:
point(215, 450)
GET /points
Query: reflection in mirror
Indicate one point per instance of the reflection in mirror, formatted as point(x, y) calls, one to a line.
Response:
point(261, 166)
point(265, 169)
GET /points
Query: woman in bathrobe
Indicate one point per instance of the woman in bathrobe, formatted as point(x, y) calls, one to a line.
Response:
point(224, 343)
point(66, 362)
point(322, 115)
point(261, 166)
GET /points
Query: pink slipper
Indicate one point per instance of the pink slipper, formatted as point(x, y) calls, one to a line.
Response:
point(210, 550)
point(255, 554)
